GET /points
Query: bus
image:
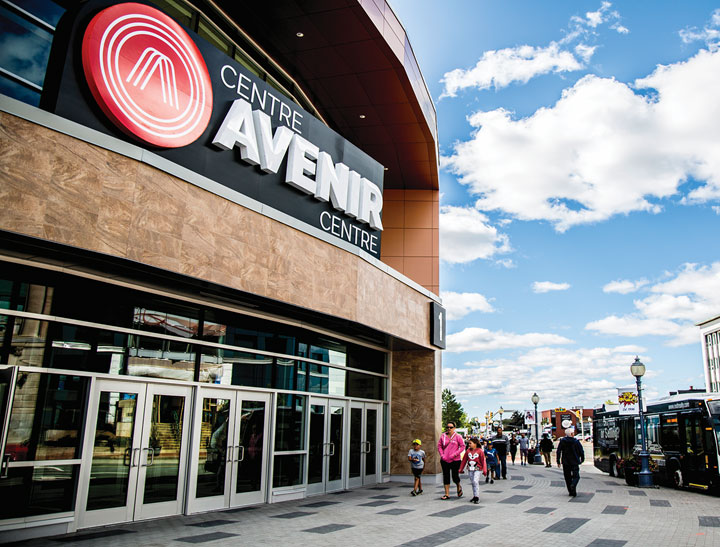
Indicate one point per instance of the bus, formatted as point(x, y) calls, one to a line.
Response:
point(683, 435)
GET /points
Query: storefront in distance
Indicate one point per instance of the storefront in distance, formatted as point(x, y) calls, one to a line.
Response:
point(218, 258)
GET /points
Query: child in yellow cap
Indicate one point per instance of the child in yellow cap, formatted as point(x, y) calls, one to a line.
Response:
point(416, 457)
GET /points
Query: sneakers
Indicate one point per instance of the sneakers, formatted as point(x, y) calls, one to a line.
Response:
point(413, 493)
point(492, 481)
point(475, 499)
point(416, 493)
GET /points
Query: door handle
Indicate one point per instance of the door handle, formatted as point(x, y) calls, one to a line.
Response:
point(127, 457)
point(229, 456)
point(152, 458)
point(5, 466)
point(332, 449)
point(242, 453)
point(135, 461)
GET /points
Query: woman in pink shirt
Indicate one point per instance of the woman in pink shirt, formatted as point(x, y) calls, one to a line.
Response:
point(451, 446)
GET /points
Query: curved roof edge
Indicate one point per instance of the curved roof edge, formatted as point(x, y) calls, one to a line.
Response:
point(354, 60)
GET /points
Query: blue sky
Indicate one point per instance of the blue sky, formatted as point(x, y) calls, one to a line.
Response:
point(580, 180)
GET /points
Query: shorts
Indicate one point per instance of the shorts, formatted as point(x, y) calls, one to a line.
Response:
point(416, 471)
point(523, 451)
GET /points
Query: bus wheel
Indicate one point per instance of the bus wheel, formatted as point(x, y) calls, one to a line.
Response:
point(677, 477)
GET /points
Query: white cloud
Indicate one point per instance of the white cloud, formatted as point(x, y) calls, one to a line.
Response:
point(479, 339)
point(500, 68)
point(601, 150)
point(458, 305)
point(558, 375)
point(625, 286)
point(466, 235)
point(585, 52)
point(673, 308)
point(716, 209)
point(710, 33)
point(547, 286)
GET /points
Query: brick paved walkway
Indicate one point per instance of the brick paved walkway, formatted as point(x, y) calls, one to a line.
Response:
point(531, 508)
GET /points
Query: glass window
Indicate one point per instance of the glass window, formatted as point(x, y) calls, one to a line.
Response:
point(159, 358)
point(290, 422)
point(48, 11)
point(29, 491)
point(47, 417)
point(365, 386)
point(163, 322)
point(24, 47)
point(366, 359)
point(653, 429)
point(288, 470)
point(670, 433)
point(177, 10)
point(207, 31)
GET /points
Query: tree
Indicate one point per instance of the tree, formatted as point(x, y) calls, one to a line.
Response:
point(452, 410)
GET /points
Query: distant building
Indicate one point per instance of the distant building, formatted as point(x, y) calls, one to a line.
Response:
point(553, 419)
point(710, 341)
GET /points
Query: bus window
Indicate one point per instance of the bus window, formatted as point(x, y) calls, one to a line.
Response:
point(652, 423)
point(669, 432)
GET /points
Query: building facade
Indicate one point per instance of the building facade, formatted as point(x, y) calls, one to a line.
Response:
point(218, 257)
point(557, 420)
point(710, 343)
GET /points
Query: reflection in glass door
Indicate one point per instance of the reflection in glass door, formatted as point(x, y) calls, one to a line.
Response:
point(7, 386)
point(138, 452)
point(229, 448)
point(326, 446)
point(364, 442)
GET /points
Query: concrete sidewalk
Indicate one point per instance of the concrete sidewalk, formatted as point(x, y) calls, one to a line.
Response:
point(530, 508)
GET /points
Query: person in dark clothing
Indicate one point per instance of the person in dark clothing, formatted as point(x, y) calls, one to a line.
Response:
point(570, 454)
point(513, 447)
point(501, 443)
point(546, 447)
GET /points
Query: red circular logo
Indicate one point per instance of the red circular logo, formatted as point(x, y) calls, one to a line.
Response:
point(147, 75)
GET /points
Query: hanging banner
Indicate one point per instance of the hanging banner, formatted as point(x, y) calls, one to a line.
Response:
point(530, 417)
point(628, 401)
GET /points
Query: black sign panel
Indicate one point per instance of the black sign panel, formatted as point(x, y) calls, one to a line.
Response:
point(68, 95)
point(438, 320)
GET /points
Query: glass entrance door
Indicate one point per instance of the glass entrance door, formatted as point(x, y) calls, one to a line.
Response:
point(138, 435)
point(326, 449)
point(7, 386)
point(364, 456)
point(229, 453)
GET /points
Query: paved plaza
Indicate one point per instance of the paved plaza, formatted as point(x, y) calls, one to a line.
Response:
point(530, 508)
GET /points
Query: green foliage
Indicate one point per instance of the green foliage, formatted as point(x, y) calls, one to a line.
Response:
point(452, 410)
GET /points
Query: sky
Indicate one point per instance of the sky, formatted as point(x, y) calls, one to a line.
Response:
point(580, 193)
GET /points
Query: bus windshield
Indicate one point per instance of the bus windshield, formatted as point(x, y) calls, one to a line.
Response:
point(714, 407)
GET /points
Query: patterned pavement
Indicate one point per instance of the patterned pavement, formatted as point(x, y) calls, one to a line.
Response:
point(535, 511)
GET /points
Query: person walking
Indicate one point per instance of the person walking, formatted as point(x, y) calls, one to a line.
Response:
point(524, 444)
point(570, 454)
point(546, 447)
point(416, 457)
point(491, 463)
point(501, 443)
point(513, 447)
point(450, 447)
point(474, 460)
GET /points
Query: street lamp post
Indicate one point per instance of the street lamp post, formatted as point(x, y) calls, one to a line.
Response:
point(537, 460)
point(501, 413)
point(645, 476)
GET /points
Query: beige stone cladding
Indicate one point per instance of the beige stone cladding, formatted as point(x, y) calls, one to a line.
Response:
point(59, 188)
point(415, 409)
